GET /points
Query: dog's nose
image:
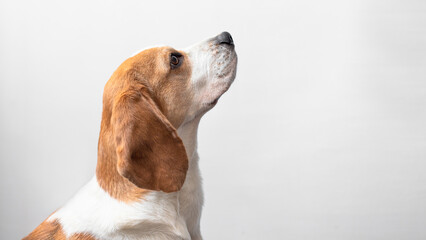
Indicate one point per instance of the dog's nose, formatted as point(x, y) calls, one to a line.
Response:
point(225, 38)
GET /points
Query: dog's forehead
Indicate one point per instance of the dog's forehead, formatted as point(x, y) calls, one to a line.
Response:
point(159, 50)
point(153, 53)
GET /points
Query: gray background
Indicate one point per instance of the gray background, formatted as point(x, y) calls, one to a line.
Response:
point(322, 135)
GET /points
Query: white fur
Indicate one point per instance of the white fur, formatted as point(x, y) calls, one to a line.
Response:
point(159, 215)
point(95, 212)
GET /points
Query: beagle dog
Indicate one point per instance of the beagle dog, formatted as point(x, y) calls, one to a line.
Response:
point(147, 183)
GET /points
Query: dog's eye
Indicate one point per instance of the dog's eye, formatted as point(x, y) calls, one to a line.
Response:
point(175, 60)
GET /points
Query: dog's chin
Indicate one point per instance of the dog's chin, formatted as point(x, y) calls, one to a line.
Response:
point(209, 105)
point(205, 107)
point(214, 102)
point(229, 78)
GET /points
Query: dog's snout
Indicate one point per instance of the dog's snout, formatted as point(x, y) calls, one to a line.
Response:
point(225, 38)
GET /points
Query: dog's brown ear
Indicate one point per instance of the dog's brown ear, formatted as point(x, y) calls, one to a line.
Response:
point(149, 152)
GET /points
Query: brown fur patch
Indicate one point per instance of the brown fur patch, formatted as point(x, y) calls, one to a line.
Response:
point(53, 231)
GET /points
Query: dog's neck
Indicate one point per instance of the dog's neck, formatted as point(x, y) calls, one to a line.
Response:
point(188, 133)
point(190, 197)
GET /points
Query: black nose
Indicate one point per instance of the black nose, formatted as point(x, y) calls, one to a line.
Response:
point(225, 38)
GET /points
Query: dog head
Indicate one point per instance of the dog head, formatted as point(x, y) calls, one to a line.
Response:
point(149, 96)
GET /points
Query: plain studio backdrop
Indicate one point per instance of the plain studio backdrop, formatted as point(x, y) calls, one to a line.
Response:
point(321, 136)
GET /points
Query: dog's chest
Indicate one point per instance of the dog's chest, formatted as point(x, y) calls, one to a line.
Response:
point(93, 211)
